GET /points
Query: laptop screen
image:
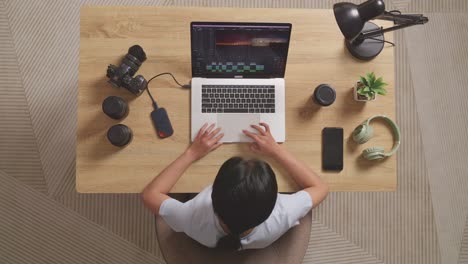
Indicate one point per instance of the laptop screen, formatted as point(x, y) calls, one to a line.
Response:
point(239, 50)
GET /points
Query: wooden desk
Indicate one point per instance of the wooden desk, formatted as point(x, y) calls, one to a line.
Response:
point(316, 55)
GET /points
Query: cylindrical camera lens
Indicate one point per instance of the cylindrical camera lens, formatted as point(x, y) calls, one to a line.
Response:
point(324, 95)
point(115, 107)
point(119, 135)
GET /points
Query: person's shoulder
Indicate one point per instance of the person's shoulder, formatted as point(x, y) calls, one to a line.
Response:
point(300, 198)
point(202, 208)
point(203, 219)
point(289, 208)
point(204, 197)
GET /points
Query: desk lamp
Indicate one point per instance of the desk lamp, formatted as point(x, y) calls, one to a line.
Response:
point(365, 40)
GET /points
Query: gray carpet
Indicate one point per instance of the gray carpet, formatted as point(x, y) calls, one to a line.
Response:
point(439, 63)
point(36, 229)
point(19, 154)
point(327, 246)
point(463, 257)
point(422, 222)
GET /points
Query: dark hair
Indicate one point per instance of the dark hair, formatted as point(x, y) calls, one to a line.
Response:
point(244, 195)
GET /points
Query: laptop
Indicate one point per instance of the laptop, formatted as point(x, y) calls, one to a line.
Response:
point(238, 77)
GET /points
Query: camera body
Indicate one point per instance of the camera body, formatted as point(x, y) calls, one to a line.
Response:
point(122, 75)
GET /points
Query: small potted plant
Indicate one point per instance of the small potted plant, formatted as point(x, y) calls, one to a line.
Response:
point(367, 88)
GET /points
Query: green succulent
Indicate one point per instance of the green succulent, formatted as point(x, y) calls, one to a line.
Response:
point(371, 86)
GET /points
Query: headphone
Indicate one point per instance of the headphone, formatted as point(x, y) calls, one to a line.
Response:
point(364, 132)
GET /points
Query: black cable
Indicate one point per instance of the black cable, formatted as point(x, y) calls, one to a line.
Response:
point(155, 105)
point(386, 41)
point(165, 73)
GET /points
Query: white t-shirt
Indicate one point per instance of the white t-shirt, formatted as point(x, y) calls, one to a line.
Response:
point(197, 219)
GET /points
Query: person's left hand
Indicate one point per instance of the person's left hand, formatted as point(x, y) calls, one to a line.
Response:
point(207, 140)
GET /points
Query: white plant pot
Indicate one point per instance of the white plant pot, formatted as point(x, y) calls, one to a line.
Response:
point(356, 97)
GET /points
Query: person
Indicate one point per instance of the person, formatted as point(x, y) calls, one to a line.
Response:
point(242, 209)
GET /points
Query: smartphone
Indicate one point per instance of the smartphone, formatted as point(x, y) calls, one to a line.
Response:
point(332, 148)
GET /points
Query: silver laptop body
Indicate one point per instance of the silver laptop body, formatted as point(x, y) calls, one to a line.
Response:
point(238, 77)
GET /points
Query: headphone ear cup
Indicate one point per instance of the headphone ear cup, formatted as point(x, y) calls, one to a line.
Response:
point(373, 153)
point(363, 133)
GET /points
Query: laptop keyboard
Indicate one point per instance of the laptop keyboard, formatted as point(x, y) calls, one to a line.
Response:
point(238, 99)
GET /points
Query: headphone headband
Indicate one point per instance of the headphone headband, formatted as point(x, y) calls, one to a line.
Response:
point(395, 130)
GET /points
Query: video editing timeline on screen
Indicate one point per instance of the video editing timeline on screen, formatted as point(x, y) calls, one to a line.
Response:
point(239, 67)
point(239, 50)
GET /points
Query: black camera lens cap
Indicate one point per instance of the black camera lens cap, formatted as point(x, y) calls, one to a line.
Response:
point(119, 135)
point(115, 107)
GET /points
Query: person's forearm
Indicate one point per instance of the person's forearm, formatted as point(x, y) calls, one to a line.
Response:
point(300, 172)
point(167, 178)
point(155, 193)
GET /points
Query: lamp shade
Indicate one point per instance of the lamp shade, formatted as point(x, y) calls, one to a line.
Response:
point(351, 17)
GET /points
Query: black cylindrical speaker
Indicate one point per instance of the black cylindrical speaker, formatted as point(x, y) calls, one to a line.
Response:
point(324, 95)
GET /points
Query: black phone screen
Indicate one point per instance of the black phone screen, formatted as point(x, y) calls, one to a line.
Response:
point(332, 148)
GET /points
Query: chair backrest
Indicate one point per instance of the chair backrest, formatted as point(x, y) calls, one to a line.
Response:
point(178, 248)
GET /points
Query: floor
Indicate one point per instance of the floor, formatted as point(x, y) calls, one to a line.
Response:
point(43, 219)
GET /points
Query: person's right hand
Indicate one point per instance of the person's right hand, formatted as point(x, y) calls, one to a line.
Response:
point(264, 143)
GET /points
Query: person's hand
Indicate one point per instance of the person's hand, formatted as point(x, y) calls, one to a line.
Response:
point(207, 140)
point(264, 143)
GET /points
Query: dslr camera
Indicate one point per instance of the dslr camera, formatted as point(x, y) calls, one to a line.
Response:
point(122, 76)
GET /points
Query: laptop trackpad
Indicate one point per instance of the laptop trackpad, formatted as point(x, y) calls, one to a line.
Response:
point(233, 124)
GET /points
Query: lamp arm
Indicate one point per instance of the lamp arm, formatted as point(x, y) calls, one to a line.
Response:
point(401, 21)
point(399, 18)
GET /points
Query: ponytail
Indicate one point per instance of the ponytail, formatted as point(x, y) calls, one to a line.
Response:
point(230, 242)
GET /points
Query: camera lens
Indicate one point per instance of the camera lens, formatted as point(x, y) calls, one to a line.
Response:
point(115, 107)
point(119, 135)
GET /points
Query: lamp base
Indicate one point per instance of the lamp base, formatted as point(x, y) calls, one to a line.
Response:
point(367, 49)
